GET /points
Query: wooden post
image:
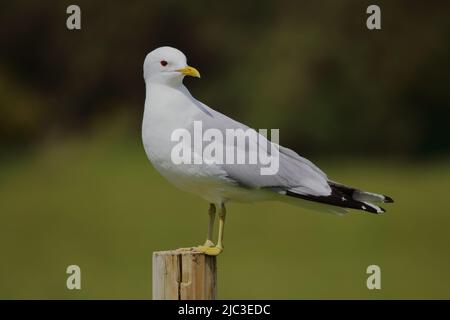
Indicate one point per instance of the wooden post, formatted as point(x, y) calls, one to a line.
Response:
point(184, 274)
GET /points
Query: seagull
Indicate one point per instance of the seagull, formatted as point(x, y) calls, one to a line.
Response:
point(169, 106)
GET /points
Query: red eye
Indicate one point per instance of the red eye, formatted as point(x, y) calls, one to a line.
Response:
point(163, 63)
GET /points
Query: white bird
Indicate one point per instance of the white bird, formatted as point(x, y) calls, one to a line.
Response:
point(169, 106)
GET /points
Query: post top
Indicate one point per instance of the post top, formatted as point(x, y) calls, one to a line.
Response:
point(179, 251)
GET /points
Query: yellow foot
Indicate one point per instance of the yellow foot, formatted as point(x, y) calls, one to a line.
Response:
point(210, 251)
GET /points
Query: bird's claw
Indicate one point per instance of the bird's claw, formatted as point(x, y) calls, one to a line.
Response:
point(210, 251)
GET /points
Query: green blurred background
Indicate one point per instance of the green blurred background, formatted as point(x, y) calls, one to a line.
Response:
point(369, 107)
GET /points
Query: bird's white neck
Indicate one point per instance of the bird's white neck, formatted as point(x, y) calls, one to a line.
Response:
point(165, 99)
point(164, 80)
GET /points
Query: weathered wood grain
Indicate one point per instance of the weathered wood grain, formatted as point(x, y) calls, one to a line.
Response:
point(184, 274)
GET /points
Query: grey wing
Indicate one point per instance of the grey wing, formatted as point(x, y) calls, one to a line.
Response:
point(297, 177)
point(294, 173)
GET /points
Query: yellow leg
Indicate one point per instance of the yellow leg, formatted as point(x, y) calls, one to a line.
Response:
point(212, 216)
point(222, 214)
point(214, 251)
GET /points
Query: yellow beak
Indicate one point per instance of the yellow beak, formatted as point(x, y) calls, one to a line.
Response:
point(189, 71)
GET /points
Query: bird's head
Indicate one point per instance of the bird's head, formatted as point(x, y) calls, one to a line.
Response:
point(167, 65)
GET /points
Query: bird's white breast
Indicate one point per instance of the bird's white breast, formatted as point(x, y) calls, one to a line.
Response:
point(168, 109)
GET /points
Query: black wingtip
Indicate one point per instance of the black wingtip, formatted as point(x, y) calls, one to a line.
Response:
point(372, 209)
point(388, 199)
